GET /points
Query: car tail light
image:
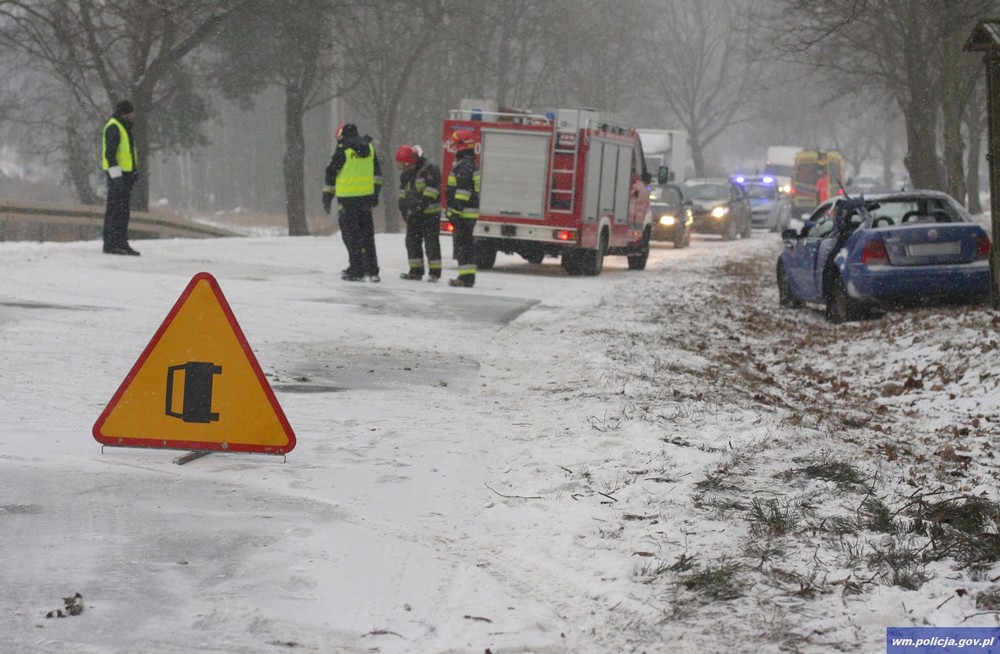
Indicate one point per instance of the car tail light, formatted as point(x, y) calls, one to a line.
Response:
point(564, 235)
point(983, 248)
point(446, 226)
point(874, 253)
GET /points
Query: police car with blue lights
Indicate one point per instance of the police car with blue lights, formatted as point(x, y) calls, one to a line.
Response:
point(769, 207)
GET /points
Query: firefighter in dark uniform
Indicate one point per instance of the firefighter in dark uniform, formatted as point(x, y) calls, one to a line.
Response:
point(119, 163)
point(420, 204)
point(354, 178)
point(463, 205)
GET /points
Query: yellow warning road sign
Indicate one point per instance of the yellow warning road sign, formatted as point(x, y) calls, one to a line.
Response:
point(197, 385)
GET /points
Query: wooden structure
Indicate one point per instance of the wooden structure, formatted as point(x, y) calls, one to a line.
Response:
point(985, 38)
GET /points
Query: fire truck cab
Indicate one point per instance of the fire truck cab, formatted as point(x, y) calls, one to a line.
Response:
point(565, 184)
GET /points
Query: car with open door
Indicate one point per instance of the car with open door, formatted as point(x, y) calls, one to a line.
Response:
point(855, 256)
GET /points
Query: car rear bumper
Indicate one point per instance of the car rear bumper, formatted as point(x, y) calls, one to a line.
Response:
point(919, 285)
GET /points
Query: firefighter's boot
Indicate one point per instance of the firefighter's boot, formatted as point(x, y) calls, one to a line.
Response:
point(413, 274)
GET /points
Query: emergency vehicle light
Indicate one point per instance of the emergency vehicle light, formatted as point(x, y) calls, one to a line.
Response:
point(564, 234)
point(447, 226)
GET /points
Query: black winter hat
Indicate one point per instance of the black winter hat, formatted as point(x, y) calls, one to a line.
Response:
point(124, 107)
point(347, 130)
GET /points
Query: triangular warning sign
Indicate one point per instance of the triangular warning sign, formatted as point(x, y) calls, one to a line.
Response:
point(197, 386)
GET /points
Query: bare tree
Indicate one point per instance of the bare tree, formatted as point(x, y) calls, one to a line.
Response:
point(293, 52)
point(906, 46)
point(383, 42)
point(100, 52)
point(704, 70)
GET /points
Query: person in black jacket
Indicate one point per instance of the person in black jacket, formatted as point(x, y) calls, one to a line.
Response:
point(354, 178)
point(119, 163)
point(463, 205)
point(420, 204)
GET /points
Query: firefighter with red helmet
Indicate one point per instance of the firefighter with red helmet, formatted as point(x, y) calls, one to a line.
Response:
point(463, 204)
point(420, 204)
point(354, 178)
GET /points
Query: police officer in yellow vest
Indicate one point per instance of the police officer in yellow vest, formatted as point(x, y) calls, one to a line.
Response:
point(354, 178)
point(119, 163)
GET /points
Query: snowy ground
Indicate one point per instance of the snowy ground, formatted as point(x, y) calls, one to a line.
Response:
point(660, 461)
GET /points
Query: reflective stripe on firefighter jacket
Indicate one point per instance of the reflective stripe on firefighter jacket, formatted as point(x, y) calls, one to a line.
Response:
point(420, 190)
point(357, 177)
point(124, 153)
point(463, 186)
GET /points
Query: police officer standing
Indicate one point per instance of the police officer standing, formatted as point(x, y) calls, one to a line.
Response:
point(420, 204)
point(463, 205)
point(119, 163)
point(354, 177)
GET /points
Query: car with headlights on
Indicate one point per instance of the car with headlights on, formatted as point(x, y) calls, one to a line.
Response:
point(769, 207)
point(718, 206)
point(856, 256)
point(672, 217)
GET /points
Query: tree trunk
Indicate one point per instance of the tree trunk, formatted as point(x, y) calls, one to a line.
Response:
point(140, 131)
point(954, 166)
point(888, 153)
point(293, 164)
point(697, 155)
point(921, 157)
point(80, 163)
point(975, 124)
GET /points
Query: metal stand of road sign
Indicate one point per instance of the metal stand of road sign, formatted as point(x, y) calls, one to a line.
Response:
point(190, 456)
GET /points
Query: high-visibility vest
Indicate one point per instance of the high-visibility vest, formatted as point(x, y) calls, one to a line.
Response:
point(124, 153)
point(357, 177)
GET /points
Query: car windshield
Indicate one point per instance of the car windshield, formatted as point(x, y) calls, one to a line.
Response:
point(761, 191)
point(707, 191)
point(664, 195)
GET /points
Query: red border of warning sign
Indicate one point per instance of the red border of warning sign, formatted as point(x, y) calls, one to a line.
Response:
point(166, 443)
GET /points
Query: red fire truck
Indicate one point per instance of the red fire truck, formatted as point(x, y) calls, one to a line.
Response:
point(565, 184)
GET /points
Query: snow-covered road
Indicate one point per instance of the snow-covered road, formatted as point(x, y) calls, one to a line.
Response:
point(539, 464)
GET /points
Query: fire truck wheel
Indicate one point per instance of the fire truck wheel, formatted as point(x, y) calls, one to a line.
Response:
point(572, 263)
point(486, 256)
point(593, 260)
point(638, 261)
point(534, 256)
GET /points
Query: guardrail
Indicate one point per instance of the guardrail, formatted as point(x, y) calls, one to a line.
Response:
point(44, 221)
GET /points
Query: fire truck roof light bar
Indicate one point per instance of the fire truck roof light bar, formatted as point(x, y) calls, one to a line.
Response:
point(497, 116)
point(517, 117)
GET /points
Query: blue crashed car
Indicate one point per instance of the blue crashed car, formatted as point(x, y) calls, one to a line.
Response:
point(911, 248)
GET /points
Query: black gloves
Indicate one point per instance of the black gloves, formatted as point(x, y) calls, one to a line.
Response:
point(327, 201)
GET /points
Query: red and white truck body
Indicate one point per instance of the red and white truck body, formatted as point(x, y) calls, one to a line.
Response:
point(563, 184)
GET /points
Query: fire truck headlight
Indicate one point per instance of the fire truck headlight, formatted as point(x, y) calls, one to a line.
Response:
point(720, 212)
point(668, 219)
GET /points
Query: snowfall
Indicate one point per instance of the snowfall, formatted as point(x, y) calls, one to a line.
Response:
point(644, 461)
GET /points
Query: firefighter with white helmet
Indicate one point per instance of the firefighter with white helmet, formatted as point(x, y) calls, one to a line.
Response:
point(420, 204)
point(463, 204)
